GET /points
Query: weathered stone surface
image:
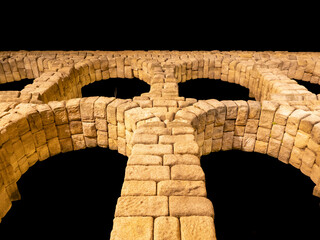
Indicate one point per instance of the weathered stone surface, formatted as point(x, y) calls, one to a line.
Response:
point(166, 228)
point(186, 148)
point(132, 228)
point(181, 188)
point(138, 188)
point(197, 228)
point(185, 159)
point(190, 206)
point(128, 206)
point(144, 160)
point(187, 172)
point(154, 173)
point(153, 149)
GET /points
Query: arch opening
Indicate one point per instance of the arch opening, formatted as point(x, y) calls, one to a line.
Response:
point(16, 85)
point(312, 87)
point(204, 88)
point(116, 87)
point(71, 195)
point(256, 196)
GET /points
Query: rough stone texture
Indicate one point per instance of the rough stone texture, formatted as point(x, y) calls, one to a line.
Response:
point(132, 228)
point(197, 228)
point(163, 134)
point(166, 228)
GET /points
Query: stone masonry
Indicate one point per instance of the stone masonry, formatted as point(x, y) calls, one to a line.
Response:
point(163, 134)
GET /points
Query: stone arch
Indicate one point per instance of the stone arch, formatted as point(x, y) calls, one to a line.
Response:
point(281, 131)
point(79, 186)
point(35, 132)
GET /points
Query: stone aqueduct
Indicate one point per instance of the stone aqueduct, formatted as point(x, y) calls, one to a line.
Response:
point(163, 134)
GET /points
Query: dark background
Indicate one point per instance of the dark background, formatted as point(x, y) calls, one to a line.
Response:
point(73, 195)
point(117, 25)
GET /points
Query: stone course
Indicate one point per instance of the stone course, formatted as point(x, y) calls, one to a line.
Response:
point(163, 134)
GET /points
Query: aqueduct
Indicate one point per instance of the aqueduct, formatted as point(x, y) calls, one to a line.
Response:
point(163, 134)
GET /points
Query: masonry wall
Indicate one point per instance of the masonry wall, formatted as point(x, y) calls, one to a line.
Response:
point(49, 116)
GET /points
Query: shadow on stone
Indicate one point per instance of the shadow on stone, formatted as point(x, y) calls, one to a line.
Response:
point(256, 196)
point(204, 88)
point(69, 196)
point(116, 87)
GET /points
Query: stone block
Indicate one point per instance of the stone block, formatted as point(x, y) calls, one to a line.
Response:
point(307, 123)
point(185, 159)
point(130, 206)
point(166, 228)
point(186, 148)
point(282, 114)
point(294, 121)
point(78, 141)
point(54, 146)
point(248, 142)
point(217, 132)
point(145, 173)
point(302, 139)
point(28, 143)
point(227, 141)
point(254, 109)
point(171, 139)
point(46, 113)
point(315, 133)
point(315, 173)
point(153, 149)
point(228, 126)
point(139, 188)
point(284, 154)
point(113, 131)
point(66, 145)
point(273, 147)
point(216, 145)
point(187, 172)
point(87, 108)
point(232, 109)
point(268, 110)
point(102, 139)
point(100, 107)
point(180, 206)
point(197, 228)
point(73, 109)
point(43, 152)
point(261, 147)
point(132, 228)
point(252, 126)
point(277, 132)
point(220, 113)
point(89, 129)
point(181, 188)
point(295, 157)
point(101, 124)
point(209, 110)
point(144, 160)
point(144, 138)
point(75, 127)
point(307, 161)
point(60, 112)
point(112, 110)
point(243, 112)
point(63, 131)
point(263, 134)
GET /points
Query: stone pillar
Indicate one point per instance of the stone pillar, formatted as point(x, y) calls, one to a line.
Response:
point(164, 194)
